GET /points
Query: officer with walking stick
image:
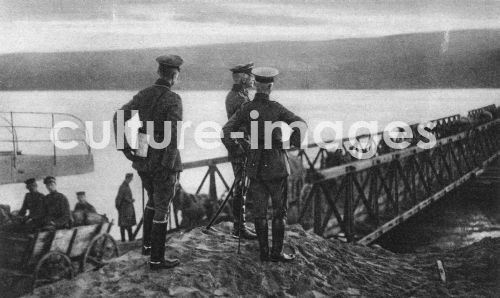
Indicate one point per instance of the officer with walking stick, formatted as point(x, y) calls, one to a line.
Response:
point(267, 164)
point(242, 81)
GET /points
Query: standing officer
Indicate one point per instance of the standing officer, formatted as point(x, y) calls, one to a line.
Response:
point(243, 80)
point(267, 167)
point(159, 169)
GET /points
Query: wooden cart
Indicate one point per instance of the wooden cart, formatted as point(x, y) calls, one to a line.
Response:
point(46, 257)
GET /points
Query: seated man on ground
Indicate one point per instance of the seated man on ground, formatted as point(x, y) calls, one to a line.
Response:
point(82, 204)
point(56, 212)
point(84, 213)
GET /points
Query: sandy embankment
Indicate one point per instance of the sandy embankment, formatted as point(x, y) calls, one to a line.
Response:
point(211, 267)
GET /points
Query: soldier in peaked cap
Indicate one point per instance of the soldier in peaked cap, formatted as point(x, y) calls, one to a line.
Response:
point(56, 212)
point(267, 164)
point(33, 203)
point(158, 168)
point(242, 80)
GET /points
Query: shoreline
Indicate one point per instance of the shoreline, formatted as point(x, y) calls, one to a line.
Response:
point(211, 267)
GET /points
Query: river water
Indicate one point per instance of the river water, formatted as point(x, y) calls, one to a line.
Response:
point(314, 106)
point(463, 217)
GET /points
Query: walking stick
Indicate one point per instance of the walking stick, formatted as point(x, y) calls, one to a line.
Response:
point(239, 233)
point(229, 194)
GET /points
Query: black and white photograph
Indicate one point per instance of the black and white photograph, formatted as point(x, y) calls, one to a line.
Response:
point(265, 148)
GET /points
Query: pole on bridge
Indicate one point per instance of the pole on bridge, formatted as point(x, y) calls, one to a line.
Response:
point(212, 192)
point(348, 208)
point(396, 186)
point(317, 213)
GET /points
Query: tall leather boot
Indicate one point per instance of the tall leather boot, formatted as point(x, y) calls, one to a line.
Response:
point(146, 231)
point(262, 236)
point(122, 233)
point(239, 227)
point(278, 232)
point(157, 260)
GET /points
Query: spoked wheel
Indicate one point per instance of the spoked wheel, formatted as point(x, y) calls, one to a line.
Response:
point(52, 267)
point(101, 249)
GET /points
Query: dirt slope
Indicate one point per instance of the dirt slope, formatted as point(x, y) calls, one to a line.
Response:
point(211, 267)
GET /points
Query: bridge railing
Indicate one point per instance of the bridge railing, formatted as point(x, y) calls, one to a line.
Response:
point(380, 189)
point(316, 156)
point(474, 114)
point(364, 199)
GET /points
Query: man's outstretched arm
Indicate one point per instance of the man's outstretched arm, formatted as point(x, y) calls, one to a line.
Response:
point(298, 125)
point(127, 114)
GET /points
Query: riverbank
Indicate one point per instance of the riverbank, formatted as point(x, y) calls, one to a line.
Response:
point(211, 267)
point(431, 60)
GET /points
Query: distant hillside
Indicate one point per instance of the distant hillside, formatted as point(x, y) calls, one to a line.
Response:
point(470, 59)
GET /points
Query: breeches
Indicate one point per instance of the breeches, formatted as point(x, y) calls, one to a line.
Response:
point(259, 192)
point(160, 186)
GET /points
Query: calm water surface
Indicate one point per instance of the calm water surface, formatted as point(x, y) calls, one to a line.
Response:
point(314, 106)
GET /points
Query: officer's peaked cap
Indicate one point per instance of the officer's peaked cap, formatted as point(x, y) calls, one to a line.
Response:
point(242, 68)
point(265, 74)
point(170, 61)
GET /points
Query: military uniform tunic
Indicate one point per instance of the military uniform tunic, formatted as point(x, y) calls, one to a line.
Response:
point(159, 170)
point(234, 100)
point(85, 207)
point(33, 202)
point(266, 168)
point(56, 210)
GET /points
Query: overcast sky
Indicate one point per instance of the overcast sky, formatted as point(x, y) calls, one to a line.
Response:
point(80, 25)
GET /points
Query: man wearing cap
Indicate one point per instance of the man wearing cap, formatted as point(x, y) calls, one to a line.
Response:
point(56, 210)
point(242, 80)
point(33, 203)
point(267, 166)
point(159, 168)
point(83, 205)
point(124, 203)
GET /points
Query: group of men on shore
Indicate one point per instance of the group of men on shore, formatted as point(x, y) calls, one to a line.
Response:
point(265, 169)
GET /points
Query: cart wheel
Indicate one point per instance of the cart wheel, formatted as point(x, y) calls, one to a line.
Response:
point(53, 266)
point(101, 249)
